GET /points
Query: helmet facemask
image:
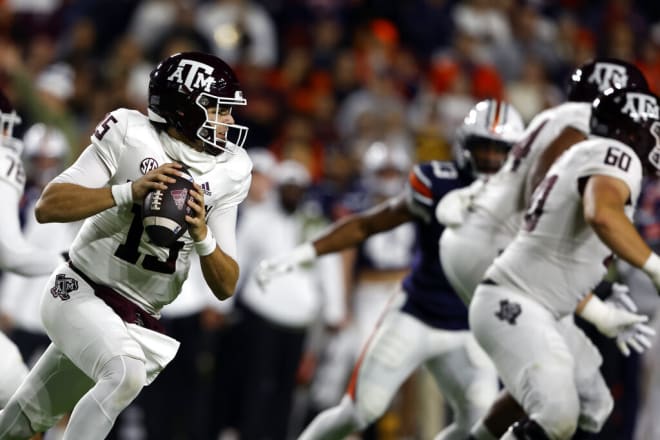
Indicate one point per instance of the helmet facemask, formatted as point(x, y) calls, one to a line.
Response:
point(489, 130)
point(487, 155)
point(232, 135)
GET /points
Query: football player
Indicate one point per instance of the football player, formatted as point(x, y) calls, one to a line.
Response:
point(486, 218)
point(16, 254)
point(579, 215)
point(426, 322)
point(101, 308)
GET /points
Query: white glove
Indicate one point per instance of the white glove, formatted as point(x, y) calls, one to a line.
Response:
point(453, 207)
point(638, 336)
point(615, 318)
point(271, 268)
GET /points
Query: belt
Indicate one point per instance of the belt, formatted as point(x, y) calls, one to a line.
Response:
point(126, 309)
point(488, 282)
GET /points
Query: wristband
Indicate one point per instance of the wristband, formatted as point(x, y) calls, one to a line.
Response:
point(652, 266)
point(206, 246)
point(304, 253)
point(123, 194)
point(599, 314)
point(594, 310)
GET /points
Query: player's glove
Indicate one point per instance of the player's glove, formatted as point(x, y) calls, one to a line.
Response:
point(271, 268)
point(453, 206)
point(638, 336)
point(617, 318)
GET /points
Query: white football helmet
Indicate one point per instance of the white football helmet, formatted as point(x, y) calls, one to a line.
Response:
point(385, 168)
point(490, 124)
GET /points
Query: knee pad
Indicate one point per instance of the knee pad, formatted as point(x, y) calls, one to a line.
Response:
point(559, 418)
point(370, 403)
point(556, 412)
point(120, 381)
point(596, 404)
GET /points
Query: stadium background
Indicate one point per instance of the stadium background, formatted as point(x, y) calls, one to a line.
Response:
point(323, 79)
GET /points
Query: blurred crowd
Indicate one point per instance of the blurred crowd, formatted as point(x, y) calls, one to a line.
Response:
point(328, 82)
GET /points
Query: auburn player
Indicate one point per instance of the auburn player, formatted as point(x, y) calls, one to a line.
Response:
point(579, 215)
point(426, 323)
point(101, 309)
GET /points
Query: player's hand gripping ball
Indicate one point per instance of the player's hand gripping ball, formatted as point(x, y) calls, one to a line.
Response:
point(164, 211)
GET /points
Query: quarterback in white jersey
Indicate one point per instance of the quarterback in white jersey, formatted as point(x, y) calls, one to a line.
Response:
point(101, 309)
point(580, 214)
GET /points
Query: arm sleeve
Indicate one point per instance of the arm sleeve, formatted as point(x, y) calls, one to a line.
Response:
point(98, 163)
point(330, 273)
point(419, 193)
point(16, 254)
point(222, 224)
point(88, 170)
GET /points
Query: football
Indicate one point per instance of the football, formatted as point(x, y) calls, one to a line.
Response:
point(164, 212)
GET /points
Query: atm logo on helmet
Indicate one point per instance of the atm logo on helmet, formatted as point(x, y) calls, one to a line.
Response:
point(608, 75)
point(641, 106)
point(193, 75)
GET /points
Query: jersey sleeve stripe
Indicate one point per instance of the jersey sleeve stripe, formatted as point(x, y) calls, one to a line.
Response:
point(419, 185)
point(423, 200)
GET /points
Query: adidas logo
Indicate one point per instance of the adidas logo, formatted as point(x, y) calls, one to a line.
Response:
point(206, 188)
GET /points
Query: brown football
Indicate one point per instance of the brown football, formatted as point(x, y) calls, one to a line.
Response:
point(164, 212)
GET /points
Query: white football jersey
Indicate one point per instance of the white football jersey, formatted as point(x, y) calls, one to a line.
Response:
point(12, 172)
point(557, 257)
point(498, 205)
point(111, 247)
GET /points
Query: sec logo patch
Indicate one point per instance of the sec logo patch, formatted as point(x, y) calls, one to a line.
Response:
point(148, 164)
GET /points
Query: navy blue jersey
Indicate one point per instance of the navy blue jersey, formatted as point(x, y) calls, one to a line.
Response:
point(430, 297)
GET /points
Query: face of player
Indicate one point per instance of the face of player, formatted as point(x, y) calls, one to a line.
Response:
point(488, 157)
point(221, 114)
point(291, 196)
